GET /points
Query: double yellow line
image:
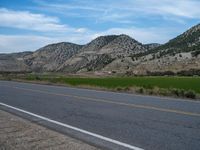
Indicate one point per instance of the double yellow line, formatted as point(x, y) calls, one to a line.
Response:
point(112, 102)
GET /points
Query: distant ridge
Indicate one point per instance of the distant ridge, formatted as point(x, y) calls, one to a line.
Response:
point(113, 53)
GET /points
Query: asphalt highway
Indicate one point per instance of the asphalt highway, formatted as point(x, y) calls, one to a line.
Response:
point(108, 119)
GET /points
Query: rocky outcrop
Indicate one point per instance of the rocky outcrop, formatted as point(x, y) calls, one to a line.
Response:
point(102, 51)
point(50, 57)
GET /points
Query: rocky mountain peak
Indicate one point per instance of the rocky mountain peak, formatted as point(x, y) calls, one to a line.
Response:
point(124, 45)
point(58, 46)
point(98, 43)
point(193, 30)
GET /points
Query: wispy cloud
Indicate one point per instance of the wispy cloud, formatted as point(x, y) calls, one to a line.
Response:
point(16, 43)
point(126, 10)
point(30, 21)
point(19, 43)
point(144, 35)
point(181, 8)
point(80, 21)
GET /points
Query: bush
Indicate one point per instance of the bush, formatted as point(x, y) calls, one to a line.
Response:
point(148, 86)
point(169, 73)
point(190, 72)
point(37, 78)
point(119, 89)
point(175, 92)
point(140, 90)
point(195, 53)
point(183, 93)
point(190, 94)
point(178, 92)
point(127, 89)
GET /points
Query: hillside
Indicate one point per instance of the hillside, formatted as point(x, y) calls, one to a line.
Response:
point(51, 56)
point(110, 48)
point(119, 54)
point(14, 62)
point(180, 53)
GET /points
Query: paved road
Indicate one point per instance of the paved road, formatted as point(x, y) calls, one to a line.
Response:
point(146, 122)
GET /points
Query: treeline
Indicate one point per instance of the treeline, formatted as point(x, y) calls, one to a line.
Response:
point(191, 72)
point(14, 72)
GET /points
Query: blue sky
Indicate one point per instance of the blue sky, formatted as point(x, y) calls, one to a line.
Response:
point(26, 25)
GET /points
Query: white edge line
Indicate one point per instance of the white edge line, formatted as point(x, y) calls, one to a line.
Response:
point(75, 128)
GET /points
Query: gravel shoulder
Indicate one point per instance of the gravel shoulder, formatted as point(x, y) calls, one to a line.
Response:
point(20, 134)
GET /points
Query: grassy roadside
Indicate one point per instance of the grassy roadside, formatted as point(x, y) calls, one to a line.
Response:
point(184, 87)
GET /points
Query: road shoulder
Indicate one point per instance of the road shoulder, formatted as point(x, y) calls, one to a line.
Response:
point(20, 134)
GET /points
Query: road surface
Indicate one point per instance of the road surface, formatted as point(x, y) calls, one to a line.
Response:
point(107, 119)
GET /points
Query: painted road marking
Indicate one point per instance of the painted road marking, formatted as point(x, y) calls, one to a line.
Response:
point(117, 103)
point(112, 102)
point(74, 128)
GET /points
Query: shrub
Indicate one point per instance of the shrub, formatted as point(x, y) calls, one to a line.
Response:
point(178, 92)
point(127, 89)
point(190, 94)
point(195, 53)
point(163, 92)
point(148, 86)
point(119, 89)
point(175, 92)
point(37, 78)
point(140, 90)
point(151, 92)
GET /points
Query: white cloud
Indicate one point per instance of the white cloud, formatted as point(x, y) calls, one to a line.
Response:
point(17, 43)
point(30, 21)
point(143, 35)
point(81, 30)
point(126, 12)
point(123, 11)
point(181, 8)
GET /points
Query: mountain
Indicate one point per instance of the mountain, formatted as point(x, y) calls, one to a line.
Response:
point(50, 57)
point(113, 53)
point(101, 52)
point(14, 62)
point(180, 53)
point(186, 42)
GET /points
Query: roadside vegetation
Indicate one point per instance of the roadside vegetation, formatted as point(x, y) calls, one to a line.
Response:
point(186, 87)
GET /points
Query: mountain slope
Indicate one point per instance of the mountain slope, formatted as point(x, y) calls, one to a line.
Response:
point(92, 57)
point(180, 53)
point(51, 56)
point(14, 62)
point(186, 42)
point(113, 53)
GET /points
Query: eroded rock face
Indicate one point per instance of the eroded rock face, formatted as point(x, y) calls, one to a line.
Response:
point(118, 53)
point(50, 57)
point(14, 62)
point(101, 52)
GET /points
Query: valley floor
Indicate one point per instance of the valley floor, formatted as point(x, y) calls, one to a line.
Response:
point(169, 86)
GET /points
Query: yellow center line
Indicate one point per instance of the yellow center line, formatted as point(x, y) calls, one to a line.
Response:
point(116, 103)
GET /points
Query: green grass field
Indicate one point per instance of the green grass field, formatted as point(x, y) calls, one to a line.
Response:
point(187, 87)
point(184, 83)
